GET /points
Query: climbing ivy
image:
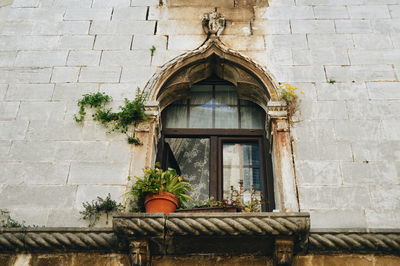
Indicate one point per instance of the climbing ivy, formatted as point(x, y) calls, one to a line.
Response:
point(131, 113)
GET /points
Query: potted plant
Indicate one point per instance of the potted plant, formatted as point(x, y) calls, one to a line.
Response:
point(160, 191)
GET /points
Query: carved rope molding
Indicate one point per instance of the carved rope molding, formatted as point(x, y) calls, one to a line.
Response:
point(355, 242)
point(63, 239)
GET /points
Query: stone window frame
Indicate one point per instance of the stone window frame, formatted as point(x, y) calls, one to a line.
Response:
point(251, 79)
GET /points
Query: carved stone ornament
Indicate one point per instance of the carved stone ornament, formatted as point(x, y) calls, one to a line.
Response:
point(213, 24)
point(283, 253)
point(139, 253)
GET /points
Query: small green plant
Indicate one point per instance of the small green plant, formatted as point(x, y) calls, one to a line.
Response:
point(156, 180)
point(131, 113)
point(152, 50)
point(331, 81)
point(93, 210)
point(289, 95)
point(7, 222)
point(95, 100)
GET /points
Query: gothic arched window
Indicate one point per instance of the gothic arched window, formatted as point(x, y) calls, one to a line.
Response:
point(217, 140)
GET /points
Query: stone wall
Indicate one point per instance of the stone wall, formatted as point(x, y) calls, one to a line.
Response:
point(343, 54)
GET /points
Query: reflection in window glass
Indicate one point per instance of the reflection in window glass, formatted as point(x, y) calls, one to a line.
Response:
point(226, 117)
point(200, 116)
point(241, 164)
point(192, 156)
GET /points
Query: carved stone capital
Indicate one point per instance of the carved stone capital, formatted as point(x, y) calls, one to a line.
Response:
point(277, 110)
point(139, 253)
point(283, 253)
point(152, 109)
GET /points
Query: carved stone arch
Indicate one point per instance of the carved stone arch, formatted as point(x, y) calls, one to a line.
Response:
point(213, 57)
point(253, 82)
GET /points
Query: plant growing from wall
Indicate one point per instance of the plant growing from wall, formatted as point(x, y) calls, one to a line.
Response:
point(7, 222)
point(93, 210)
point(288, 93)
point(131, 113)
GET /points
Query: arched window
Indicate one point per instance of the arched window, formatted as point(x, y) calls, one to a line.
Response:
point(217, 139)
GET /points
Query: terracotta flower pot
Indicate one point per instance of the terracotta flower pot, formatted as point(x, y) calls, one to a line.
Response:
point(164, 202)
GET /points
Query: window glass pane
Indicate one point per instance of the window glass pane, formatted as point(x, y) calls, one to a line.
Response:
point(201, 94)
point(192, 156)
point(241, 169)
point(251, 117)
point(176, 116)
point(200, 116)
point(225, 94)
point(226, 117)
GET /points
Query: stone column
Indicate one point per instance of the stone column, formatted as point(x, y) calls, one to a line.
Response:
point(282, 158)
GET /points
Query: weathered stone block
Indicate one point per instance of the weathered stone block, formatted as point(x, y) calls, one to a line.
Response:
point(13, 130)
point(138, 75)
point(65, 217)
point(76, 42)
point(330, 12)
point(42, 110)
point(365, 130)
point(88, 14)
point(316, 130)
point(84, 58)
point(126, 58)
point(60, 130)
point(144, 2)
point(131, 13)
point(368, 12)
point(385, 197)
point(267, 27)
point(244, 42)
point(323, 151)
point(321, 56)
point(293, 12)
point(330, 40)
point(36, 14)
point(383, 90)
point(382, 218)
point(299, 73)
point(98, 173)
point(111, 42)
point(41, 58)
point(25, 3)
point(312, 26)
point(23, 196)
point(65, 74)
point(179, 27)
point(30, 92)
point(360, 73)
point(329, 110)
point(369, 173)
point(7, 59)
point(391, 129)
point(238, 28)
point(73, 92)
point(145, 42)
point(338, 218)
point(33, 151)
point(122, 27)
point(8, 110)
point(111, 3)
point(11, 173)
point(341, 91)
point(287, 41)
point(45, 173)
point(184, 42)
point(353, 26)
point(372, 41)
point(100, 74)
point(365, 57)
point(72, 3)
point(314, 173)
point(5, 146)
point(85, 151)
point(74, 27)
point(328, 197)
